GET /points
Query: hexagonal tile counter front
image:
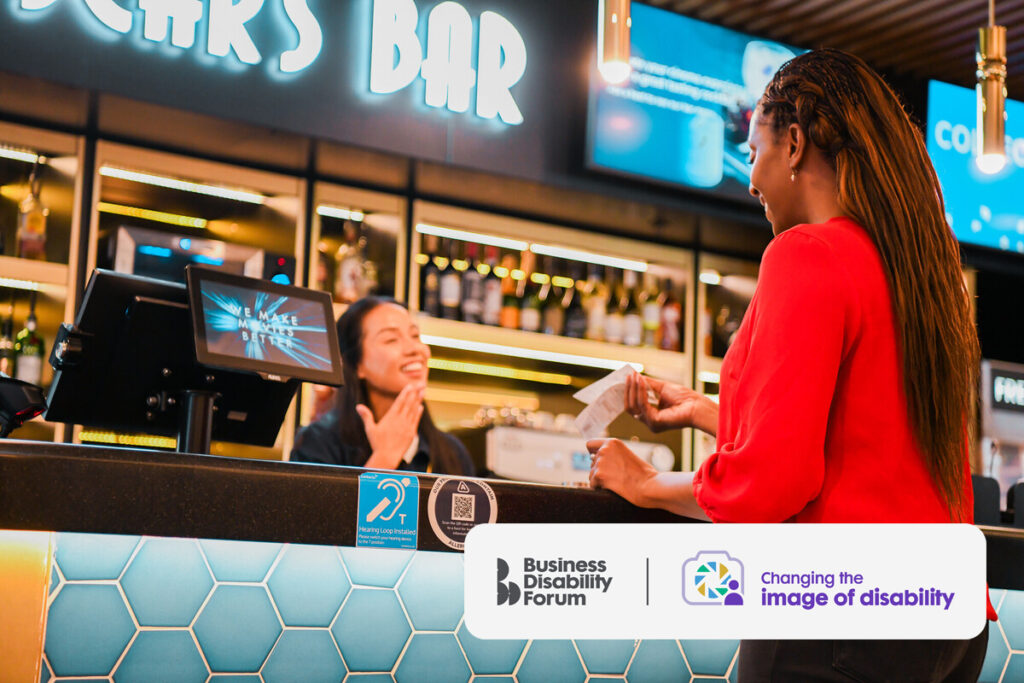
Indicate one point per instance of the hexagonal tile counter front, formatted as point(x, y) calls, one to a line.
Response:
point(606, 656)
point(657, 660)
point(308, 585)
point(1011, 618)
point(371, 630)
point(237, 628)
point(551, 661)
point(434, 657)
point(490, 656)
point(157, 656)
point(239, 561)
point(432, 591)
point(380, 567)
point(87, 629)
point(166, 582)
point(303, 655)
point(709, 657)
point(83, 557)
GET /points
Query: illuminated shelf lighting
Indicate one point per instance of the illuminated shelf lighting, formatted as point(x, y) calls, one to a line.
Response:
point(481, 398)
point(460, 265)
point(142, 440)
point(150, 215)
point(21, 155)
point(422, 259)
point(184, 185)
point(539, 278)
point(533, 354)
point(563, 282)
point(501, 371)
point(338, 212)
point(465, 236)
point(710, 277)
point(12, 283)
point(501, 271)
point(709, 377)
point(587, 257)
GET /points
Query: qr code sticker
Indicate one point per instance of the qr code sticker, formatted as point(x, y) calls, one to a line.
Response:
point(463, 507)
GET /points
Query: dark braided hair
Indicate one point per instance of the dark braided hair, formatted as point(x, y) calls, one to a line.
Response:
point(887, 184)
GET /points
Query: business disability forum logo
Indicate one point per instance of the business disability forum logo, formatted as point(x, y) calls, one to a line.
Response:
point(713, 577)
point(563, 583)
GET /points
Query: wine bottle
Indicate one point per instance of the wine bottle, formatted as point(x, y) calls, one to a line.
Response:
point(530, 307)
point(671, 317)
point(29, 350)
point(551, 301)
point(30, 241)
point(491, 314)
point(632, 320)
point(614, 321)
point(572, 302)
point(509, 299)
point(594, 300)
point(430, 280)
point(472, 288)
point(7, 347)
point(451, 286)
point(652, 303)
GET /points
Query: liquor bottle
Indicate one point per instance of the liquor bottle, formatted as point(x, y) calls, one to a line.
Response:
point(706, 330)
point(349, 282)
point(29, 350)
point(451, 286)
point(652, 303)
point(530, 313)
point(632, 320)
point(572, 302)
point(7, 347)
point(509, 300)
point(551, 298)
point(594, 300)
point(430, 280)
point(30, 241)
point(614, 321)
point(669, 337)
point(491, 314)
point(472, 288)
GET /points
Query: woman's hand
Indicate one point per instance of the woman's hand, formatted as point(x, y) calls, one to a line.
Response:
point(678, 407)
point(390, 438)
point(616, 468)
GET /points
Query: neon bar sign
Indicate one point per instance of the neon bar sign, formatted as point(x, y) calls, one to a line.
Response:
point(447, 67)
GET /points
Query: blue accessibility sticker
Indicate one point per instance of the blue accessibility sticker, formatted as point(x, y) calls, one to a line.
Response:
point(388, 510)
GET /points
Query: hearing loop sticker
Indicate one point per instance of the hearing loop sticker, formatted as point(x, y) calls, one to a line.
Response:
point(388, 510)
point(456, 506)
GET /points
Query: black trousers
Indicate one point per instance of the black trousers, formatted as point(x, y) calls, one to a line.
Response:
point(862, 661)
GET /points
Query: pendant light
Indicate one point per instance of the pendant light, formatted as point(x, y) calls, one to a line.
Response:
point(991, 57)
point(613, 25)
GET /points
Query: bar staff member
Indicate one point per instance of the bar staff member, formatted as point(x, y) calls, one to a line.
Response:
point(846, 394)
point(379, 420)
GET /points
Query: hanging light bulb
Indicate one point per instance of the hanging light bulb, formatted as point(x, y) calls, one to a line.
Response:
point(613, 28)
point(991, 151)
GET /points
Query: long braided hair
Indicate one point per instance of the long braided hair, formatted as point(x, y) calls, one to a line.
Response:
point(887, 184)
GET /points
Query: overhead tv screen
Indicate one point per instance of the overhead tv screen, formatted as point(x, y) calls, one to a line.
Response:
point(982, 209)
point(683, 116)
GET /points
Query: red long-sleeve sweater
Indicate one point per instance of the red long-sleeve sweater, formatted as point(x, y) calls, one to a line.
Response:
point(813, 423)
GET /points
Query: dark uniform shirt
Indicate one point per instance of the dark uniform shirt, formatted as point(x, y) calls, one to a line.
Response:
point(320, 442)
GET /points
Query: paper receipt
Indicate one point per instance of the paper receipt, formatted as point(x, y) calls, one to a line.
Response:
point(605, 399)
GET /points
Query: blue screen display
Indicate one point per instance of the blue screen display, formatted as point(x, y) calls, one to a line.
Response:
point(982, 209)
point(260, 326)
point(683, 116)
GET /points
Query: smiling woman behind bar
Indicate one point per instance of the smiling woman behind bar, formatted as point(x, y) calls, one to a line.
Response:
point(847, 394)
point(379, 420)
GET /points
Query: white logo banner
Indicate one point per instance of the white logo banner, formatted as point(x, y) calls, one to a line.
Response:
point(785, 581)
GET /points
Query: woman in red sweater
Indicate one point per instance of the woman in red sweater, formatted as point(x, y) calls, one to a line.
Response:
point(846, 394)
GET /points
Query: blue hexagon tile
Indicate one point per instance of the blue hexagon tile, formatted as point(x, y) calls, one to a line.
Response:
point(551, 661)
point(995, 656)
point(369, 678)
point(166, 582)
point(234, 678)
point(434, 657)
point(1011, 617)
point(380, 567)
point(87, 629)
point(500, 679)
point(1015, 669)
point(371, 630)
point(709, 657)
point(239, 561)
point(157, 656)
point(432, 591)
point(237, 628)
point(657, 660)
point(44, 672)
point(490, 656)
point(93, 556)
point(308, 585)
point(54, 579)
point(304, 655)
point(606, 656)
point(702, 679)
point(996, 596)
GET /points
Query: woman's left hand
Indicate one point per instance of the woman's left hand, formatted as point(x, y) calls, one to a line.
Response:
point(616, 468)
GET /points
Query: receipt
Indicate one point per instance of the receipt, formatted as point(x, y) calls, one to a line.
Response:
point(605, 399)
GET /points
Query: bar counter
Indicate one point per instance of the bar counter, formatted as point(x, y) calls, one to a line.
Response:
point(227, 566)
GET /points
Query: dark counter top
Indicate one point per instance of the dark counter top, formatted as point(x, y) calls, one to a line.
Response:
point(61, 487)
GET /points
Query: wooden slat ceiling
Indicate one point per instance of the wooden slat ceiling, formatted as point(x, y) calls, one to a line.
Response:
point(922, 38)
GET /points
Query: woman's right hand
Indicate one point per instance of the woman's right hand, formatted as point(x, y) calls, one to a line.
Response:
point(390, 437)
point(678, 407)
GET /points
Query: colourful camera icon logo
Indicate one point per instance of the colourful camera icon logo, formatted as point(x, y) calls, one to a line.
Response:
point(713, 577)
